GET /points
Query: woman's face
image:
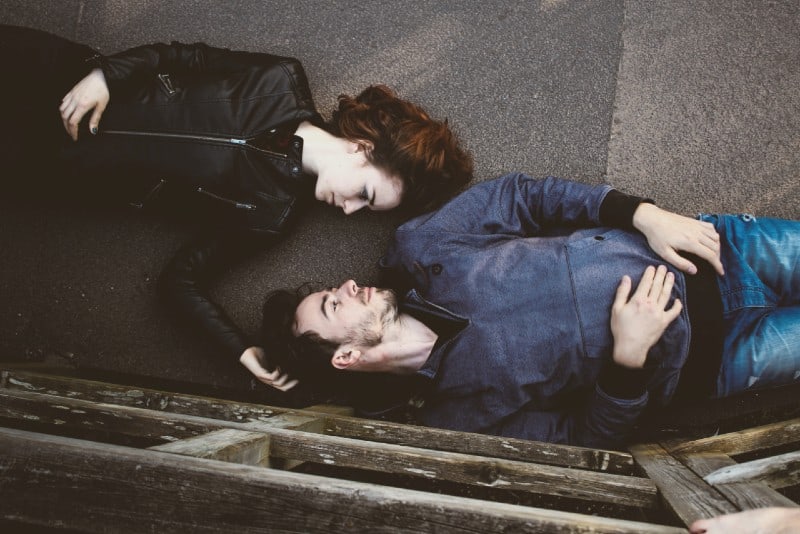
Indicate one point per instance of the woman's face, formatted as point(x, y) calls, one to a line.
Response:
point(353, 183)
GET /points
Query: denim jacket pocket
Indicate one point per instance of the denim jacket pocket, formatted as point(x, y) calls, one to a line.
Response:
point(592, 288)
point(597, 259)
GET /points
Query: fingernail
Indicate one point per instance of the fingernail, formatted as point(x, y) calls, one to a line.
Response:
point(94, 130)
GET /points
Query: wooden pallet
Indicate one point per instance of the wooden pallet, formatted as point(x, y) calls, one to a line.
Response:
point(93, 456)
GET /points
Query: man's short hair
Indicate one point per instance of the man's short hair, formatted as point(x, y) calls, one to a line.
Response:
point(306, 357)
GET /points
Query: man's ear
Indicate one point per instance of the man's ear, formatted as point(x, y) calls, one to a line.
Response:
point(345, 357)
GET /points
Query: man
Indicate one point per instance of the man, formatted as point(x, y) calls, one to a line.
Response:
point(524, 321)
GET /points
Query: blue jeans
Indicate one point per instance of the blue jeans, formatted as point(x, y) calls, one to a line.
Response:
point(760, 302)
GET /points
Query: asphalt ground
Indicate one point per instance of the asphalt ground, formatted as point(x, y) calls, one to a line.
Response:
point(693, 103)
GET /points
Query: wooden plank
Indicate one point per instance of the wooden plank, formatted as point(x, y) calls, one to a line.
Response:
point(227, 445)
point(501, 474)
point(125, 420)
point(333, 409)
point(777, 471)
point(497, 447)
point(686, 494)
point(506, 475)
point(151, 399)
point(507, 448)
point(86, 486)
point(744, 496)
point(745, 441)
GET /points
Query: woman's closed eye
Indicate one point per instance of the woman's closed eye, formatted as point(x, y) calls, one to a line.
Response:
point(364, 195)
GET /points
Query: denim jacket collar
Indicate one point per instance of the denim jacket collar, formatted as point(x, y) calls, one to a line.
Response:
point(446, 324)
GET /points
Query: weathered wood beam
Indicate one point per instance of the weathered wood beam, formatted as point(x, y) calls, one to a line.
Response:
point(744, 496)
point(125, 420)
point(151, 399)
point(506, 475)
point(507, 448)
point(777, 471)
point(497, 447)
point(686, 494)
point(745, 441)
point(227, 445)
point(86, 486)
point(332, 409)
point(333, 450)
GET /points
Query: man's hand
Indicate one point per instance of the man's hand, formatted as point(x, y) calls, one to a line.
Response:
point(254, 358)
point(89, 93)
point(668, 232)
point(638, 323)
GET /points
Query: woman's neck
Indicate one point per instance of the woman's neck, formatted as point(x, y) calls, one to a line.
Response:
point(320, 147)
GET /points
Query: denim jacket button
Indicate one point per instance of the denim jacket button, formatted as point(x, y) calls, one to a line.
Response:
point(436, 268)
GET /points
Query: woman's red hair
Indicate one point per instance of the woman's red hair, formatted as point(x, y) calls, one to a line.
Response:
point(424, 153)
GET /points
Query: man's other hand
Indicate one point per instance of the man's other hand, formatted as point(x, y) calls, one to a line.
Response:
point(638, 323)
point(667, 233)
point(254, 359)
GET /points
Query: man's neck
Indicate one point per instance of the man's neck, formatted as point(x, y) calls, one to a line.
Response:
point(406, 346)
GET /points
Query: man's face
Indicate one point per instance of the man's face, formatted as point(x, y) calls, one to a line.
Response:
point(348, 314)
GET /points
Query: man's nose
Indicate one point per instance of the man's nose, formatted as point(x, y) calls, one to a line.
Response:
point(349, 288)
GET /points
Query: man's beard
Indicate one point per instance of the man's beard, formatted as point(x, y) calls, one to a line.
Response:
point(365, 334)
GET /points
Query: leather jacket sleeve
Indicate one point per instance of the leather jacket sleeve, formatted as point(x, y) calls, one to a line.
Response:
point(184, 284)
point(142, 61)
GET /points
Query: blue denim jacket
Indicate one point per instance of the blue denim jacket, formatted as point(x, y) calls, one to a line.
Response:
point(524, 264)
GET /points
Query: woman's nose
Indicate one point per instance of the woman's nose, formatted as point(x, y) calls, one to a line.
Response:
point(352, 206)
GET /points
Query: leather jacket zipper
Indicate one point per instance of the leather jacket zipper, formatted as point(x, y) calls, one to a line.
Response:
point(167, 83)
point(193, 137)
point(151, 193)
point(237, 205)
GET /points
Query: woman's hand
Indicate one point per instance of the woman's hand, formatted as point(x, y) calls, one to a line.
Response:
point(89, 93)
point(637, 324)
point(254, 358)
point(667, 233)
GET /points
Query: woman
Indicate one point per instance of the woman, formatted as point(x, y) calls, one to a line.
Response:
point(229, 138)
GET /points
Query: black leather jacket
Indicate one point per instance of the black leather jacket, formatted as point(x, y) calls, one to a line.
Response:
point(203, 129)
point(207, 122)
